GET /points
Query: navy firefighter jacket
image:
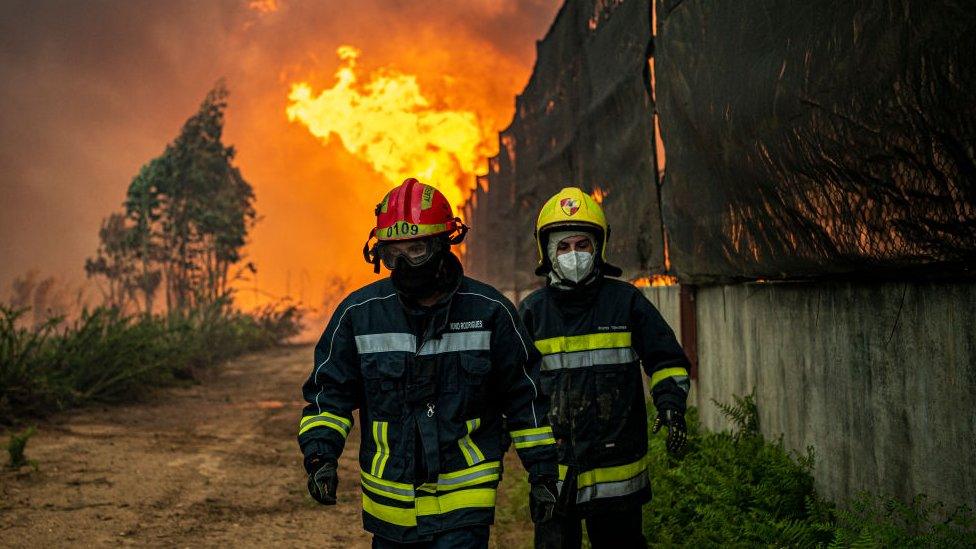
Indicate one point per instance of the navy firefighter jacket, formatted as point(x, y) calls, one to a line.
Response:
point(594, 341)
point(430, 403)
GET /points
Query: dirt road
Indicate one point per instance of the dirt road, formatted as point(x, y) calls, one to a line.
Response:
point(210, 464)
point(214, 463)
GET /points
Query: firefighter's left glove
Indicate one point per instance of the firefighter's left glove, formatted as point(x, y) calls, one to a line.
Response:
point(677, 430)
point(542, 501)
point(323, 479)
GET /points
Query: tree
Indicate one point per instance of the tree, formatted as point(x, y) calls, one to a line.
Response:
point(206, 207)
point(187, 216)
point(142, 208)
point(114, 261)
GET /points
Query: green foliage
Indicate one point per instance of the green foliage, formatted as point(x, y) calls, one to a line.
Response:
point(876, 521)
point(735, 488)
point(743, 413)
point(16, 446)
point(106, 356)
point(187, 216)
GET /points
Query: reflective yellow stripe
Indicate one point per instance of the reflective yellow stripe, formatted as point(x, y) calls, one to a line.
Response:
point(387, 488)
point(587, 342)
point(452, 501)
point(661, 375)
point(390, 514)
point(611, 474)
point(531, 431)
point(536, 436)
point(562, 471)
point(450, 493)
point(325, 419)
point(382, 455)
point(472, 454)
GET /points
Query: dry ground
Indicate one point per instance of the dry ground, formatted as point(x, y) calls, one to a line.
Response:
point(210, 464)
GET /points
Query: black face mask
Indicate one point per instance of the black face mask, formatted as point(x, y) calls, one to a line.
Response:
point(421, 281)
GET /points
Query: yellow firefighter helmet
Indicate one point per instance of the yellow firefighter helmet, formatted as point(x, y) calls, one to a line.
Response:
point(572, 208)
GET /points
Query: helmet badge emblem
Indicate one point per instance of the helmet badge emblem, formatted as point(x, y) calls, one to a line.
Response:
point(569, 205)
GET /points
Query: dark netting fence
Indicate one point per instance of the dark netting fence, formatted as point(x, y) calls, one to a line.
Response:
point(582, 120)
point(803, 139)
point(811, 138)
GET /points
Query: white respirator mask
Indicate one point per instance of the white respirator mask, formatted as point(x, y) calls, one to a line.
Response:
point(572, 266)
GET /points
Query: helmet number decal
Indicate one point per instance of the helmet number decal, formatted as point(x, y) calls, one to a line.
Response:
point(402, 229)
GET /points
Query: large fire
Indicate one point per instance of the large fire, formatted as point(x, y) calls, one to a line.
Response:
point(389, 122)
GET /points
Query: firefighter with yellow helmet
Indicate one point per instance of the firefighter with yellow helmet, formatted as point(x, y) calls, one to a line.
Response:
point(595, 333)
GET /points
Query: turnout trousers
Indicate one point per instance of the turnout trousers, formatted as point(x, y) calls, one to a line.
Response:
point(473, 537)
point(619, 528)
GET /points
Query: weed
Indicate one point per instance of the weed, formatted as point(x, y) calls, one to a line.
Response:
point(16, 446)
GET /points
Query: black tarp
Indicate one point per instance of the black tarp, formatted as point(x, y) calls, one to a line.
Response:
point(582, 120)
point(818, 138)
point(803, 139)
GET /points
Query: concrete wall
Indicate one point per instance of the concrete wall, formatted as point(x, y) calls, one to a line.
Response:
point(667, 300)
point(880, 379)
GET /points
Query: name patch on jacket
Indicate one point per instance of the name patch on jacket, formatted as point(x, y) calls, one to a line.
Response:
point(469, 325)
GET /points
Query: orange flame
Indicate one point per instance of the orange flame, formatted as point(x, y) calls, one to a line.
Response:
point(599, 194)
point(388, 122)
point(655, 281)
point(263, 6)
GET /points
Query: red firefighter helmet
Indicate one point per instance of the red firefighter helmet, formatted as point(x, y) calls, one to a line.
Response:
point(411, 211)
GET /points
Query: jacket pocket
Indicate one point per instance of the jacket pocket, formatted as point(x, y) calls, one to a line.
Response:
point(383, 380)
point(474, 382)
point(613, 398)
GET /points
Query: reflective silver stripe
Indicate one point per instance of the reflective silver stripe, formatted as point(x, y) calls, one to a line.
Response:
point(469, 454)
point(472, 454)
point(531, 438)
point(583, 359)
point(388, 489)
point(612, 489)
point(385, 343)
point(470, 476)
point(683, 382)
point(453, 342)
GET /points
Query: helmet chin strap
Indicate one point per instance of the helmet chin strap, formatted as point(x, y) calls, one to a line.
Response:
point(459, 236)
point(369, 254)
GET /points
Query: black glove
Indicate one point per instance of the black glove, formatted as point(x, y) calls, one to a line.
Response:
point(677, 431)
point(323, 479)
point(542, 500)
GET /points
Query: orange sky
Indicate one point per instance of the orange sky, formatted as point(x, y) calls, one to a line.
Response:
point(88, 93)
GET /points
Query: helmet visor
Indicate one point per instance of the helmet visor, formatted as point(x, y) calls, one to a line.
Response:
point(413, 252)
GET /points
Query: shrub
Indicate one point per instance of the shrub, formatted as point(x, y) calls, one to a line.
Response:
point(105, 356)
point(733, 488)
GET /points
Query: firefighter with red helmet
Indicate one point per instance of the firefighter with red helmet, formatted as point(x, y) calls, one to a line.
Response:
point(595, 334)
point(433, 361)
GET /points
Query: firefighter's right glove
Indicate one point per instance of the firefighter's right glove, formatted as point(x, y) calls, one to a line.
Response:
point(542, 501)
point(677, 430)
point(323, 479)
